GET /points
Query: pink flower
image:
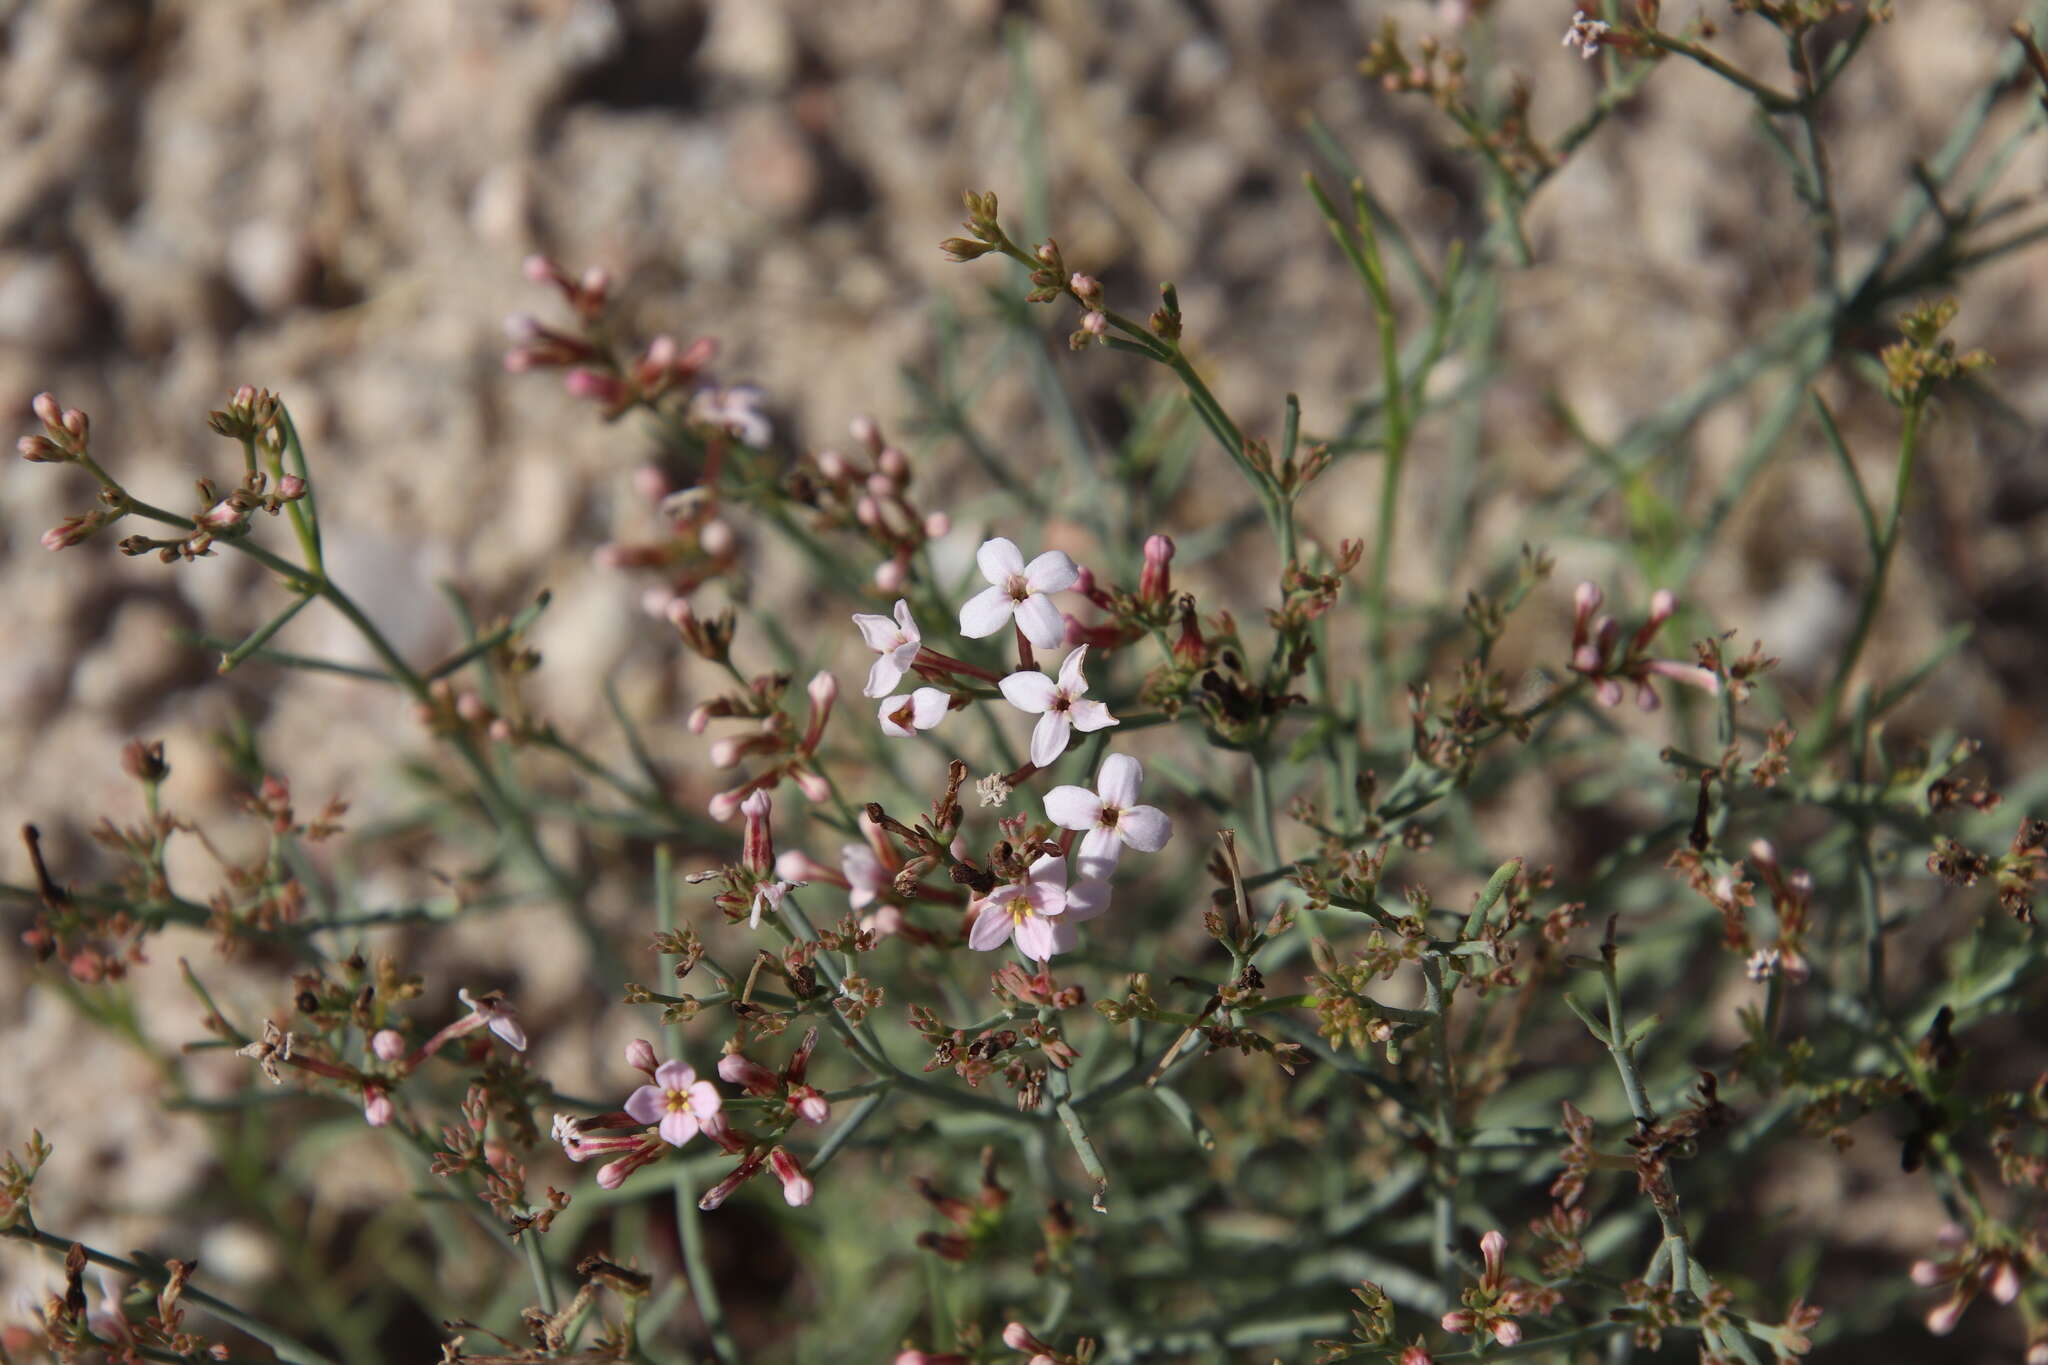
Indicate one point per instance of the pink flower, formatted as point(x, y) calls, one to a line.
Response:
point(677, 1101)
point(767, 896)
point(897, 642)
point(1058, 705)
point(904, 716)
point(1035, 912)
point(1110, 814)
point(1020, 591)
point(867, 879)
point(496, 1015)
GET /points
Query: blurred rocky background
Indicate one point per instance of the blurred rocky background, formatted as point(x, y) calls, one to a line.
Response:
point(332, 201)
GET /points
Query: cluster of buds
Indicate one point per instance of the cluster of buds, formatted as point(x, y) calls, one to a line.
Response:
point(867, 490)
point(1596, 658)
point(788, 753)
point(695, 546)
point(799, 1099)
point(752, 887)
point(1492, 1305)
point(1132, 614)
point(974, 1220)
point(868, 872)
point(1792, 900)
point(598, 374)
point(1968, 1271)
point(451, 710)
point(66, 439)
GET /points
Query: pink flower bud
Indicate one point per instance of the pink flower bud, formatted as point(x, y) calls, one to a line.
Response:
point(699, 717)
point(539, 269)
point(679, 614)
point(651, 483)
point(1765, 854)
point(661, 353)
point(1018, 1337)
point(813, 785)
point(936, 525)
point(291, 488)
point(725, 753)
point(797, 1188)
point(798, 867)
point(832, 465)
point(890, 575)
point(583, 382)
point(1095, 323)
point(523, 327)
point(881, 486)
point(39, 450)
point(736, 1068)
point(596, 282)
point(867, 511)
point(1415, 1355)
point(47, 410)
point(613, 1174)
point(1507, 1331)
point(2005, 1281)
point(1155, 580)
point(1459, 1320)
point(757, 849)
point(866, 432)
point(1647, 698)
point(1942, 1319)
point(824, 689)
point(1663, 602)
point(1586, 600)
point(723, 806)
point(811, 1106)
point(500, 731)
point(717, 538)
point(1926, 1274)
point(470, 707)
point(894, 463)
point(722, 1191)
point(387, 1044)
point(640, 1056)
point(377, 1109)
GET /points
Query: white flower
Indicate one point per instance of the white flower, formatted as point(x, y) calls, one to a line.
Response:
point(896, 641)
point(1020, 590)
point(1110, 814)
point(1058, 706)
point(903, 716)
point(737, 411)
point(1039, 912)
point(768, 896)
point(1585, 34)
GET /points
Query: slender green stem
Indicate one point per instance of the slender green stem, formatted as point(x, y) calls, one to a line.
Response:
point(697, 1269)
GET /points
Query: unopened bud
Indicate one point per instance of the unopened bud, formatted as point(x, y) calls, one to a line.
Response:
point(387, 1044)
point(757, 847)
point(613, 1174)
point(811, 1105)
point(46, 409)
point(813, 785)
point(748, 1074)
point(832, 465)
point(1018, 1337)
point(40, 450)
point(377, 1110)
point(866, 432)
point(717, 538)
point(894, 463)
point(890, 575)
point(797, 1187)
point(936, 525)
point(1155, 580)
point(1507, 1331)
point(640, 1056)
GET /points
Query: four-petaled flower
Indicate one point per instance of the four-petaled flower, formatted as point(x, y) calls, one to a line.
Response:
point(1039, 912)
point(498, 1015)
point(896, 641)
point(1018, 590)
point(677, 1101)
point(1059, 706)
point(903, 716)
point(1110, 814)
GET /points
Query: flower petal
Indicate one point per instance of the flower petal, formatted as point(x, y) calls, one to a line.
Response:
point(985, 613)
point(999, 557)
point(894, 712)
point(674, 1075)
point(1051, 572)
point(1091, 715)
point(1049, 737)
point(878, 631)
point(1117, 780)
point(678, 1127)
point(1072, 682)
point(1029, 691)
point(506, 1027)
point(883, 675)
point(991, 928)
point(1100, 848)
point(1087, 898)
point(1064, 935)
point(1072, 807)
point(928, 706)
point(1041, 622)
point(645, 1104)
point(1035, 939)
point(1144, 828)
point(864, 872)
point(704, 1099)
point(905, 623)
